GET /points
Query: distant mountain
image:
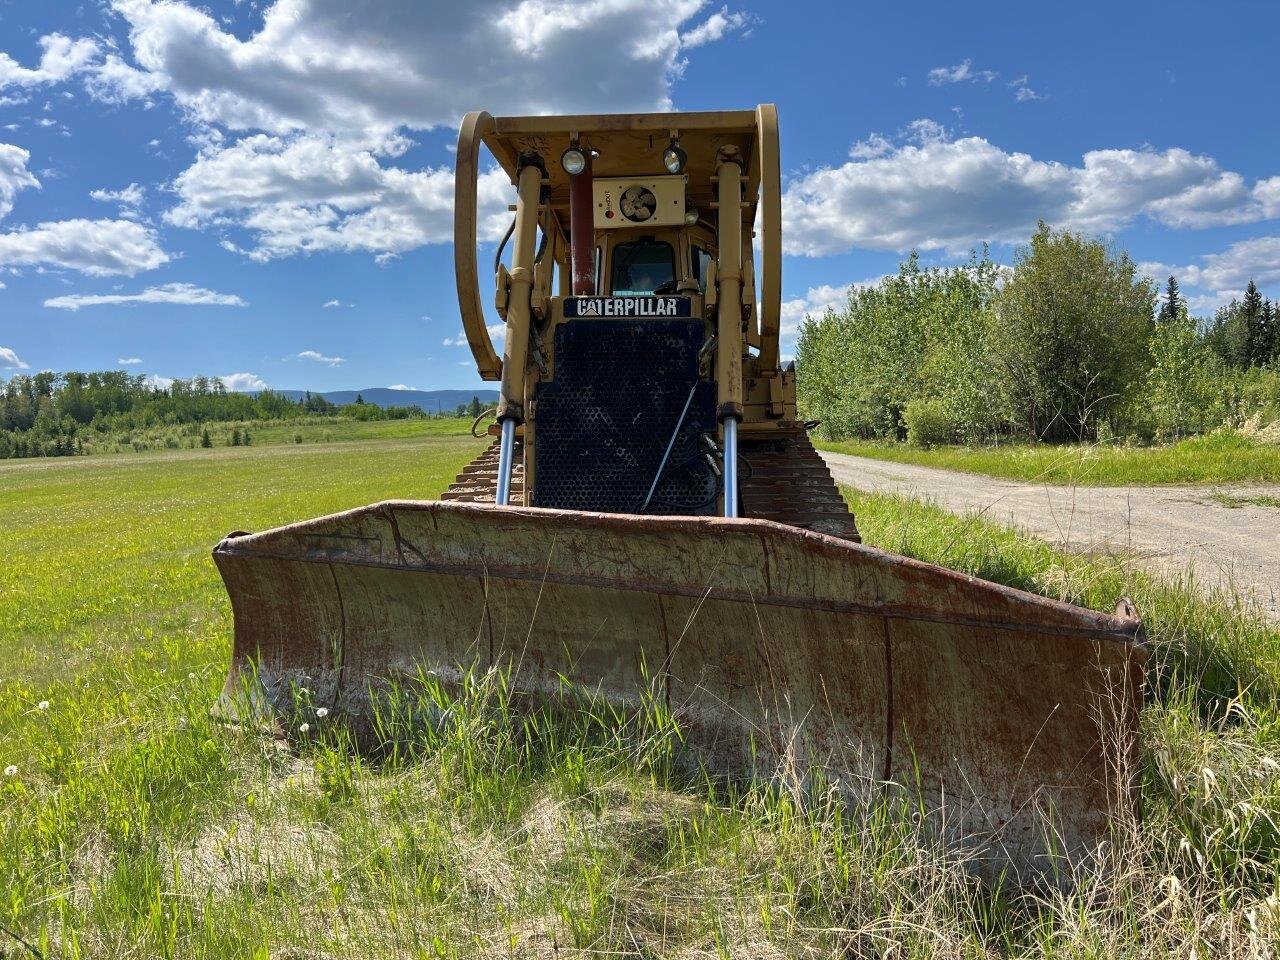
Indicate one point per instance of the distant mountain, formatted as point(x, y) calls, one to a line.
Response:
point(432, 401)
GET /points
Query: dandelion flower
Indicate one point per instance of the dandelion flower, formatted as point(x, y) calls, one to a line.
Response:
point(322, 712)
point(10, 770)
point(42, 705)
point(303, 728)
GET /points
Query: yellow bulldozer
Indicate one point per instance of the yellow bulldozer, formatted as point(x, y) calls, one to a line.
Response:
point(650, 518)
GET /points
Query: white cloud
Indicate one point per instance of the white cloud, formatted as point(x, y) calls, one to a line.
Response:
point(1225, 274)
point(235, 382)
point(332, 83)
point(400, 386)
point(11, 361)
point(497, 333)
point(962, 72)
point(128, 198)
point(329, 304)
point(95, 247)
point(114, 81)
point(308, 194)
point(316, 356)
point(129, 361)
point(371, 66)
point(240, 382)
point(14, 175)
point(60, 58)
point(183, 293)
point(715, 27)
point(937, 192)
point(1022, 91)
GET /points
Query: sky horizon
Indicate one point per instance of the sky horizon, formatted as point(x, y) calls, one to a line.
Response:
point(262, 191)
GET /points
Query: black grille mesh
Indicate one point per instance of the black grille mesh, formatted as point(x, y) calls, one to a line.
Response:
point(604, 421)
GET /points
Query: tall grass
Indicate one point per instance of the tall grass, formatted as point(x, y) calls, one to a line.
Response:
point(135, 826)
point(1221, 457)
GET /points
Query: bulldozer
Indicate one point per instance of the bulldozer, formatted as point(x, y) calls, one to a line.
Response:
point(650, 518)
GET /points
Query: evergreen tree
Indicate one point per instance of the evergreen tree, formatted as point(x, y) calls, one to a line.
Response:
point(1268, 342)
point(360, 399)
point(205, 440)
point(1173, 306)
point(235, 436)
point(1251, 313)
point(474, 409)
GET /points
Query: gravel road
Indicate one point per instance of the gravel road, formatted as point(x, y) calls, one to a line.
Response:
point(1166, 528)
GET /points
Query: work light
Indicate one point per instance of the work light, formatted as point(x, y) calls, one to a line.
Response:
point(574, 161)
point(673, 158)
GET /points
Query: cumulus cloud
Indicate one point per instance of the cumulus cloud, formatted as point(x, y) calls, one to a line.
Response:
point(96, 247)
point(400, 386)
point(962, 72)
point(329, 304)
point(308, 193)
point(935, 192)
point(60, 58)
point(182, 293)
point(240, 382)
point(368, 67)
point(129, 199)
point(1225, 274)
point(129, 361)
point(315, 356)
point(11, 361)
point(14, 175)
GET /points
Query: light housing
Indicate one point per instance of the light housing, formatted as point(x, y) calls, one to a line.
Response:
point(691, 216)
point(574, 161)
point(674, 158)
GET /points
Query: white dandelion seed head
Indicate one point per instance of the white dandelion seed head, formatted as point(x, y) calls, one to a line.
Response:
point(10, 770)
point(322, 712)
point(191, 676)
point(304, 728)
point(42, 705)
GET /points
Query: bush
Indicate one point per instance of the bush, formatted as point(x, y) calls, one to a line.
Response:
point(928, 423)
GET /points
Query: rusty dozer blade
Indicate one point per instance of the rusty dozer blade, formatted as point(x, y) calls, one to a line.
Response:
point(778, 649)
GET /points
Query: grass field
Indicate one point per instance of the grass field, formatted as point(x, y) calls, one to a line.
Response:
point(131, 825)
point(1223, 457)
point(169, 437)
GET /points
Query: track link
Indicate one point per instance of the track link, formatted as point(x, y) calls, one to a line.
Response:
point(478, 481)
point(785, 481)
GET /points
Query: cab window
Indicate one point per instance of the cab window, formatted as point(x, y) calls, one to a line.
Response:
point(701, 261)
point(644, 266)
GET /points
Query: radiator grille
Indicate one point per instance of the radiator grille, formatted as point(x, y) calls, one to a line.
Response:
point(605, 420)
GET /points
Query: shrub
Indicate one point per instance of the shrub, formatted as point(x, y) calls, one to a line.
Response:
point(928, 422)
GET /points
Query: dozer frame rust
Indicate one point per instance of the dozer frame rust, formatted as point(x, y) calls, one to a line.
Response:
point(652, 512)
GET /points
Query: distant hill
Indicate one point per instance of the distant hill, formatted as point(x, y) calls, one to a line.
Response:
point(432, 401)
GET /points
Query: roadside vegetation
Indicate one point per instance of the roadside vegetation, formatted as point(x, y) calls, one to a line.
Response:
point(1221, 457)
point(133, 825)
point(1069, 346)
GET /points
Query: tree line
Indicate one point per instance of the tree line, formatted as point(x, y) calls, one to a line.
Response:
point(1070, 344)
point(51, 414)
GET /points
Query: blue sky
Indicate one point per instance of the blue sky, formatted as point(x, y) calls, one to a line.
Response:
point(262, 191)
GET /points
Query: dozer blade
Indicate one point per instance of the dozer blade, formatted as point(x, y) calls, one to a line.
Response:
point(778, 649)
